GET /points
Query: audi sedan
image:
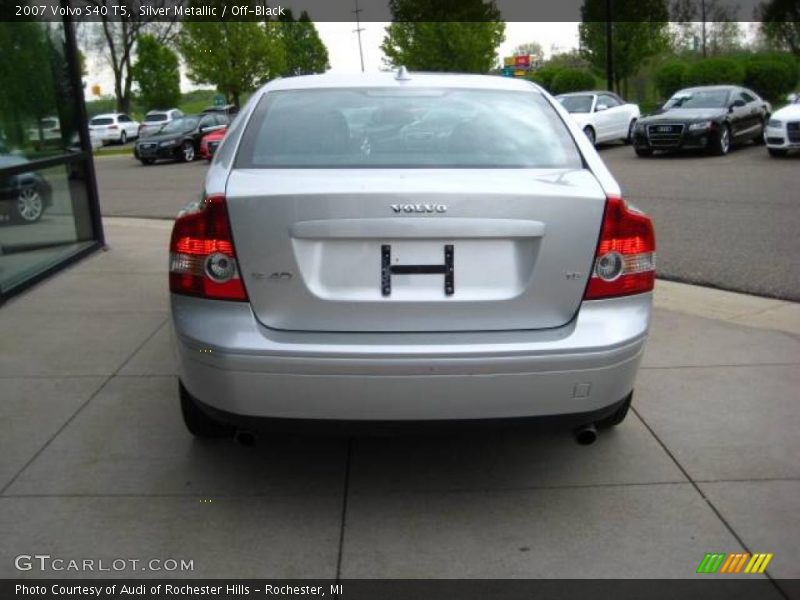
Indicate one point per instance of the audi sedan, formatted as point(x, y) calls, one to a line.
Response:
point(353, 258)
point(783, 130)
point(712, 118)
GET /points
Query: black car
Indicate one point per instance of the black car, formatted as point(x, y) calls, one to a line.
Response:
point(712, 118)
point(23, 196)
point(228, 109)
point(179, 139)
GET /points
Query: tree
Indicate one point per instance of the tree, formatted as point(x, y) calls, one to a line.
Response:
point(25, 100)
point(305, 53)
point(640, 31)
point(156, 73)
point(116, 38)
point(780, 24)
point(451, 35)
point(529, 48)
point(235, 56)
point(709, 25)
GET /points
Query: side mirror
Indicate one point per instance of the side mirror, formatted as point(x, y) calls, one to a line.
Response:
point(738, 103)
point(600, 107)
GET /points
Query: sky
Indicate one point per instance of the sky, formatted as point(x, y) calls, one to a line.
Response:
point(342, 44)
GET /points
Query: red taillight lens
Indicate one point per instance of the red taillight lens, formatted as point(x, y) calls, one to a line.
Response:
point(625, 261)
point(202, 260)
point(113, 127)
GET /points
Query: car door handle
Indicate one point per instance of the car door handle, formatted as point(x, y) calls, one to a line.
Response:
point(419, 227)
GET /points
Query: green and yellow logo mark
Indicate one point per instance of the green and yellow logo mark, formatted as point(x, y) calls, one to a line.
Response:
point(721, 562)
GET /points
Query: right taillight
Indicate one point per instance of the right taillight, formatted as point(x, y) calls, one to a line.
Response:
point(625, 261)
point(202, 259)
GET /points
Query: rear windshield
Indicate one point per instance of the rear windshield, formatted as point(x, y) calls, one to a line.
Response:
point(406, 128)
point(101, 121)
point(155, 118)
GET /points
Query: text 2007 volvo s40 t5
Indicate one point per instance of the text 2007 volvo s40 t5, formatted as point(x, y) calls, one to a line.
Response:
point(408, 247)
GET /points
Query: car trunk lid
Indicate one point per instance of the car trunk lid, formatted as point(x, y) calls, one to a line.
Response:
point(414, 249)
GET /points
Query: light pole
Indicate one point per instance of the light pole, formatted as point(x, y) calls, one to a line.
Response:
point(358, 31)
point(703, 28)
point(609, 47)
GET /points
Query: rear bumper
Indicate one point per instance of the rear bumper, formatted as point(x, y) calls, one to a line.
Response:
point(231, 363)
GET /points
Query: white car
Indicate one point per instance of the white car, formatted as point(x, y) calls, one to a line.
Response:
point(156, 119)
point(49, 130)
point(783, 129)
point(114, 127)
point(603, 116)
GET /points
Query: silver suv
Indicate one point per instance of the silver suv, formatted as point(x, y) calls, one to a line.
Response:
point(156, 119)
point(408, 247)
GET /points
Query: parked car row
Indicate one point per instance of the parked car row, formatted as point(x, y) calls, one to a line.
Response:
point(711, 118)
point(180, 139)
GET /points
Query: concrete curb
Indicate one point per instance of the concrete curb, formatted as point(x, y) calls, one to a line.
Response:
point(742, 309)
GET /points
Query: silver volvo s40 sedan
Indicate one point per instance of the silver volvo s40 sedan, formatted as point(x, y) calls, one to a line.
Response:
point(408, 247)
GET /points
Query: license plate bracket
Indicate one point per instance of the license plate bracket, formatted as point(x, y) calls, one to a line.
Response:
point(446, 269)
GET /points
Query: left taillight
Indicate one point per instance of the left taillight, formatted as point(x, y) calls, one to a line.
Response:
point(625, 261)
point(202, 260)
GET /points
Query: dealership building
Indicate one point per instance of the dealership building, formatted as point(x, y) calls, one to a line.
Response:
point(49, 210)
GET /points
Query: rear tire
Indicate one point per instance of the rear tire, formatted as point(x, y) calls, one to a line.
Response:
point(590, 134)
point(618, 416)
point(777, 152)
point(198, 422)
point(123, 137)
point(643, 152)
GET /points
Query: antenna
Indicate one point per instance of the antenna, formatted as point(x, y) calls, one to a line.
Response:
point(358, 31)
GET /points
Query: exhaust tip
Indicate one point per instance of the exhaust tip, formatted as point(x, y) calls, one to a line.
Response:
point(244, 437)
point(586, 435)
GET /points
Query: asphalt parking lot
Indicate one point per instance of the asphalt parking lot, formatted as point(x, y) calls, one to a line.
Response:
point(730, 222)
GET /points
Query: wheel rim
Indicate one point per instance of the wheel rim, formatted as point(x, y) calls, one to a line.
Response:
point(123, 138)
point(589, 134)
point(29, 204)
point(725, 140)
point(631, 127)
point(188, 152)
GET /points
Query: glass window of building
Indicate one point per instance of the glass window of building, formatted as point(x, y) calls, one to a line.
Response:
point(49, 213)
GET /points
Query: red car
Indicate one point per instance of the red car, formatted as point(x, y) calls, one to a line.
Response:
point(210, 143)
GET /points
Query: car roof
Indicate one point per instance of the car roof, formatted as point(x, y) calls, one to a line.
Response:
point(389, 79)
point(108, 115)
point(586, 93)
point(726, 88)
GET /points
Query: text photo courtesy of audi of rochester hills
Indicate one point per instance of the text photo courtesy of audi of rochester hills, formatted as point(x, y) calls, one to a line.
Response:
point(400, 299)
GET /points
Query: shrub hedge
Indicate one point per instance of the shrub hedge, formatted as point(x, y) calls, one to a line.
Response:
point(572, 80)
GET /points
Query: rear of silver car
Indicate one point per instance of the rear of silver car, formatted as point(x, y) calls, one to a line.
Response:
point(432, 248)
